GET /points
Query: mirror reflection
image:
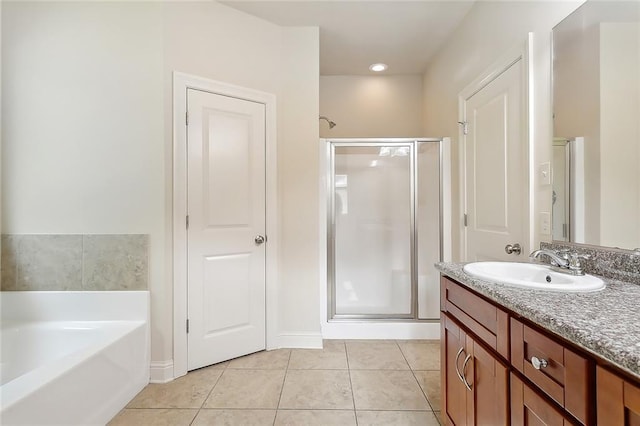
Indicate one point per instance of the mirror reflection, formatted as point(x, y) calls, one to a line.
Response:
point(596, 147)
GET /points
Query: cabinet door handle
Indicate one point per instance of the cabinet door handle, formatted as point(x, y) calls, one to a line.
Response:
point(457, 370)
point(464, 372)
point(538, 363)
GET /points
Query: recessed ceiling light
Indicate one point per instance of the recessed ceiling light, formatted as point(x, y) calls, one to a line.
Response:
point(378, 67)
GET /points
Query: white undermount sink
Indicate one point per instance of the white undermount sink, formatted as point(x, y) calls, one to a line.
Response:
point(532, 276)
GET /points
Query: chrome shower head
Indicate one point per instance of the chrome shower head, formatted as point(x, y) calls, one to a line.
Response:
point(331, 123)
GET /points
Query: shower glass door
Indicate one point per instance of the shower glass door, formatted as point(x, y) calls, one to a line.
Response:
point(371, 210)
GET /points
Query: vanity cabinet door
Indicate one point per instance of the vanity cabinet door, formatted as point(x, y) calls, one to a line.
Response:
point(529, 408)
point(454, 392)
point(474, 381)
point(618, 400)
point(489, 381)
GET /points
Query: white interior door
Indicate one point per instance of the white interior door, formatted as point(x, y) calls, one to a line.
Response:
point(226, 208)
point(496, 168)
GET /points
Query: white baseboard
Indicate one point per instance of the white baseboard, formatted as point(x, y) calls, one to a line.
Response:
point(161, 371)
point(301, 341)
point(381, 330)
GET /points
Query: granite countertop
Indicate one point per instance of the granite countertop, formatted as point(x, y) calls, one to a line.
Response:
point(605, 323)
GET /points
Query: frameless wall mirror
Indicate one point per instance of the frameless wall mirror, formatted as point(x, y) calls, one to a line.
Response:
point(596, 103)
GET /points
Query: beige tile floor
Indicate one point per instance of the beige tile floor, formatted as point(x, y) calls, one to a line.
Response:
point(352, 382)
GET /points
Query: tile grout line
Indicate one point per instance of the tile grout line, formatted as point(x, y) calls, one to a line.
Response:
point(284, 380)
point(353, 396)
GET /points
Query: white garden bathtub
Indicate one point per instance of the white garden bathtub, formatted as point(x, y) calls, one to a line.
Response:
point(71, 358)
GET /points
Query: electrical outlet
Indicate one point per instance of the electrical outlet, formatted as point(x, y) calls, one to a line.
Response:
point(545, 223)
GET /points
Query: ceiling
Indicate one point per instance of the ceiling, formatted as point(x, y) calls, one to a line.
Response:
point(355, 34)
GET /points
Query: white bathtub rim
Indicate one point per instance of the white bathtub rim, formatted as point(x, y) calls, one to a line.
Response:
point(22, 386)
point(56, 305)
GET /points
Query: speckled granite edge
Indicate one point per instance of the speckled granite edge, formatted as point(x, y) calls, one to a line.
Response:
point(617, 264)
point(604, 323)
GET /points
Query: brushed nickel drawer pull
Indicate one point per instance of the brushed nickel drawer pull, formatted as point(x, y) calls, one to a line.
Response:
point(538, 363)
point(464, 372)
point(457, 370)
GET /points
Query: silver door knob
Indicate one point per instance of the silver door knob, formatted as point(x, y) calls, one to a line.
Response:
point(260, 239)
point(513, 248)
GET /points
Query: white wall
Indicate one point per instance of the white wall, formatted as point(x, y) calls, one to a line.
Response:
point(298, 188)
point(82, 118)
point(371, 106)
point(87, 133)
point(488, 31)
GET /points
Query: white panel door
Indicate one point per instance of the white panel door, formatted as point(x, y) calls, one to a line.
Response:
point(496, 168)
point(226, 208)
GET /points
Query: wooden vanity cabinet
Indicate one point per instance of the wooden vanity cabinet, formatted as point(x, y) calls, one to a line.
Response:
point(475, 352)
point(498, 384)
point(618, 400)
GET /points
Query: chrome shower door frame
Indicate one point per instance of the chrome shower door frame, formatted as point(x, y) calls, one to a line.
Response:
point(413, 145)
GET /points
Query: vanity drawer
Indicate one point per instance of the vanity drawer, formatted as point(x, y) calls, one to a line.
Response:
point(556, 370)
point(484, 319)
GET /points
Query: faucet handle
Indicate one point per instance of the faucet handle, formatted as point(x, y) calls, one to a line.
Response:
point(575, 263)
point(579, 256)
point(564, 253)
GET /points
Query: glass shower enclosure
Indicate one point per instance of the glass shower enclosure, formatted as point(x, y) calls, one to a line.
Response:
point(383, 229)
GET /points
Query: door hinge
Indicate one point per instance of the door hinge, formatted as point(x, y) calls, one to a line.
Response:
point(465, 128)
point(187, 221)
point(186, 118)
point(465, 219)
point(187, 326)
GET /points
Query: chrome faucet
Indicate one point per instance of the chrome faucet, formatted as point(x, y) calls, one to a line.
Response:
point(565, 261)
point(556, 260)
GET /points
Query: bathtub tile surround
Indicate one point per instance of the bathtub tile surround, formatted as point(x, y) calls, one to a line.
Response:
point(618, 264)
point(74, 262)
point(301, 386)
point(115, 262)
point(8, 266)
point(43, 262)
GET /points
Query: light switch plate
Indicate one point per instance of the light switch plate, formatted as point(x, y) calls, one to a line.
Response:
point(544, 172)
